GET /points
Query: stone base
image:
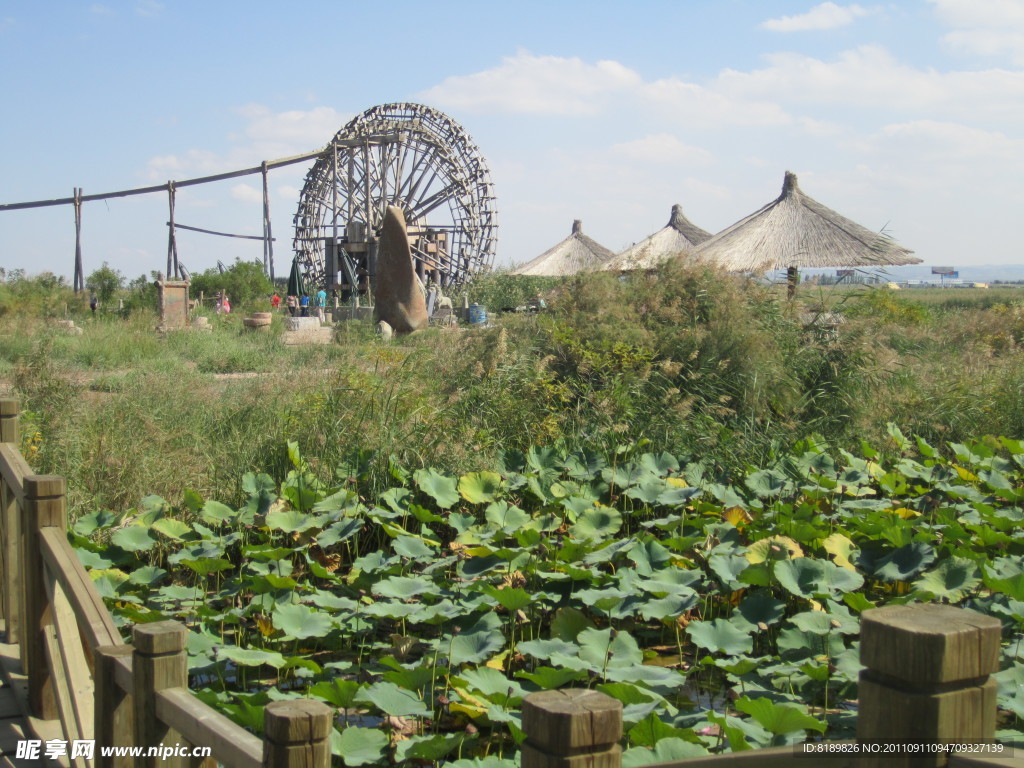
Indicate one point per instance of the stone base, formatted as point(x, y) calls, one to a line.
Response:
point(308, 336)
point(302, 323)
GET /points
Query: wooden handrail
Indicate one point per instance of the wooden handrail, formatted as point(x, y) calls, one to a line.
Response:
point(234, 746)
point(63, 564)
point(134, 696)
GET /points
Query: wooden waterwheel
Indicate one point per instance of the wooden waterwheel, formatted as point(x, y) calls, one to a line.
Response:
point(407, 155)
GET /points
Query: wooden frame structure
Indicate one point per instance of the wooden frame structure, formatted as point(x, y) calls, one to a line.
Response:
point(410, 156)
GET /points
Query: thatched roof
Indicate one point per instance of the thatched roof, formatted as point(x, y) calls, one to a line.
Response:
point(680, 235)
point(796, 231)
point(577, 253)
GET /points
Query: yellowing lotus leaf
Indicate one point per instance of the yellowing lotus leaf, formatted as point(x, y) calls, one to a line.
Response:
point(840, 547)
point(774, 548)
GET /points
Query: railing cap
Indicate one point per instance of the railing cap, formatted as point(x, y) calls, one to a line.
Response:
point(44, 486)
point(9, 406)
point(160, 637)
point(297, 721)
point(928, 643)
point(565, 721)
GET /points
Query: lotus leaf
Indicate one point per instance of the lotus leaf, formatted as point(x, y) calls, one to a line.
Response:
point(720, 635)
point(359, 746)
point(427, 748)
point(904, 563)
point(665, 751)
point(507, 516)
point(290, 521)
point(778, 718)
point(250, 658)
point(952, 579)
point(392, 700)
point(99, 520)
point(479, 487)
point(341, 693)
point(404, 587)
point(652, 729)
point(413, 548)
point(597, 523)
point(133, 538)
point(301, 621)
point(809, 577)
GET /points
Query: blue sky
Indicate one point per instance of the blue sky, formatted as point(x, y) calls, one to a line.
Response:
point(905, 116)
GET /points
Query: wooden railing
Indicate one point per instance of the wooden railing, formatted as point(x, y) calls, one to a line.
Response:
point(927, 677)
point(83, 678)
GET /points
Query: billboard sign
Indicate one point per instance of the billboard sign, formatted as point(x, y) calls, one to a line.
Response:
point(844, 273)
point(943, 271)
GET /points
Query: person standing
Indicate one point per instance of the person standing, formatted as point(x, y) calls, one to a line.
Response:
point(275, 302)
point(321, 303)
point(304, 304)
point(92, 302)
point(293, 304)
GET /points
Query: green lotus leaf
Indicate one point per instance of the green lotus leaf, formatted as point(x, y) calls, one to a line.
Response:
point(759, 608)
point(480, 487)
point(906, 562)
point(133, 538)
point(301, 621)
point(809, 577)
point(147, 576)
point(290, 521)
point(668, 607)
point(951, 580)
point(778, 718)
point(648, 490)
point(767, 483)
point(652, 729)
point(493, 685)
point(549, 678)
point(404, 587)
point(501, 514)
point(171, 528)
point(392, 700)
point(427, 748)
point(99, 520)
point(341, 693)
point(442, 489)
point(545, 649)
point(665, 751)
point(602, 649)
point(510, 598)
point(249, 657)
point(597, 523)
point(413, 548)
point(474, 647)
point(92, 559)
point(568, 623)
point(214, 512)
point(720, 635)
point(360, 746)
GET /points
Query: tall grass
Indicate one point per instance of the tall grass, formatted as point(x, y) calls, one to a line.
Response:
point(699, 364)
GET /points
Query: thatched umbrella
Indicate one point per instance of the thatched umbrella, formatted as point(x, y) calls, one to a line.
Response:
point(795, 231)
point(680, 235)
point(577, 253)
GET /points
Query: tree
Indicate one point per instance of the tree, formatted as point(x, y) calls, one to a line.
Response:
point(105, 282)
point(243, 281)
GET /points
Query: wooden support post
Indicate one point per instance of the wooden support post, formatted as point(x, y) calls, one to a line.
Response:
point(9, 410)
point(114, 722)
point(159, 663)
point(10, 526)
point(571, 728)
point(44, 507)
point(926, 681)
point(297, 734)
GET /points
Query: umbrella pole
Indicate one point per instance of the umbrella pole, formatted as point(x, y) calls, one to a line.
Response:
point(792, 281)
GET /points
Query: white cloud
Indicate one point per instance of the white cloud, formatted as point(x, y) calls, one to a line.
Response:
point(662, 149)
point(990, 29)
point(287, 192)
point(825, 16)
point(149, 8)
point(870, 77)
point(247, 193)
point(100, 10)
point(536, 84)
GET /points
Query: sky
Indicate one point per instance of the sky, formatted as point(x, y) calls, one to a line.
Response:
point(906, 116)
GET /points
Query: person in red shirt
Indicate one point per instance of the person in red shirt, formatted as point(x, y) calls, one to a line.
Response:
point(275, 302)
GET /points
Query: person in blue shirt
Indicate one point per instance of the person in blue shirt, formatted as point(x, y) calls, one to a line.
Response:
point(304, 304)
point(321, 303)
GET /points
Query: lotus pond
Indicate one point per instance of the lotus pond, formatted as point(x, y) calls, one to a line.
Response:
point(723, 614)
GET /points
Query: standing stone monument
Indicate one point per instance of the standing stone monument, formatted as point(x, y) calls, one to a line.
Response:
point(172, 299)
point(397, 294)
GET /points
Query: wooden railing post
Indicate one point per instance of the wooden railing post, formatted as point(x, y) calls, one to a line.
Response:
point(44, 506)
point(10, 525)
point(9, 410)
point(297, 734)
point(926, 681)
point(114, 721)
point(159, 663)
point(571, 728)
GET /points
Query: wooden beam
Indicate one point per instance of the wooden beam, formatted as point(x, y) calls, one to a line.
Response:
point(297, 734)
point(159, 663)
point(114, 719)
point(232, 745)
point(571, 728)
